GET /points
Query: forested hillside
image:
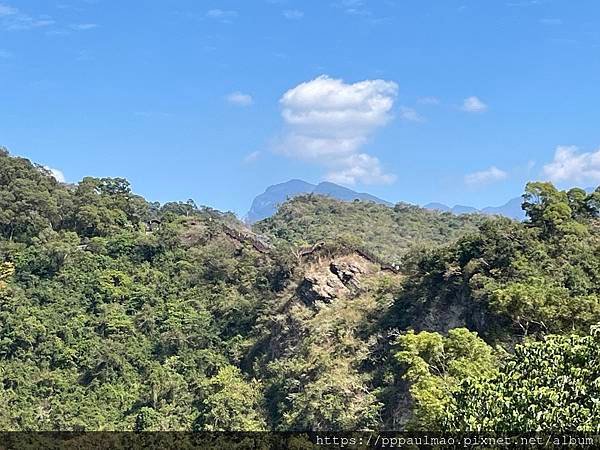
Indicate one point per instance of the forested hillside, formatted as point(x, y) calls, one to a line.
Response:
point(387, 232)
point(120, 314)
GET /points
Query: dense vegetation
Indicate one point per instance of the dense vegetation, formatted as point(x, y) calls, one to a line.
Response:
point(387, 232)
point(119, 314)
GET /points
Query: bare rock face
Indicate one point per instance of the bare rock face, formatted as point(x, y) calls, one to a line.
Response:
point(319, 288)
point(340, 278)
point(347, 272)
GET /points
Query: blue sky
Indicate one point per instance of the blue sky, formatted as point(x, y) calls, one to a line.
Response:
point(452, 101)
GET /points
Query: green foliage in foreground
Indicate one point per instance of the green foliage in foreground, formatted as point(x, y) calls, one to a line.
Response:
point(458, 383)
point(435, 366)
point(119, 314)
point(553, 384)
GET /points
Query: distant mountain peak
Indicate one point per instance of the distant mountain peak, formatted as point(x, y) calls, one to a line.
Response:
point(438, 207)
point(267, 203)
point(511, 209)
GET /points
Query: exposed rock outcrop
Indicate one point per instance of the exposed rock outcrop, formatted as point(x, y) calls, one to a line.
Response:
point(328, 280)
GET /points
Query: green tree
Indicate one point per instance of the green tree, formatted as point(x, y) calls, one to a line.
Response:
point(435, 366)
point(547, 386)
point(30, 199)
point(231, 403)
point(555, 211)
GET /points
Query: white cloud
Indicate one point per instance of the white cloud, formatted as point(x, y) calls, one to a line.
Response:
point(318, 148)
point(225, 16)
point(57, 174)
point(251, 157)
point(240, 99)
point(329, 107)
point(410, 115)
point(329, 121)
point(474, 105)
point(487, 176)
point(361, 168)
point(293, 14)
point(571, 165)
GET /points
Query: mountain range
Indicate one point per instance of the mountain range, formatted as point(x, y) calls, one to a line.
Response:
point(511, 209)
point(267, 203)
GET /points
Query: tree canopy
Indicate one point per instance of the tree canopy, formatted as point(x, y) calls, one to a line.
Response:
point(121, 314)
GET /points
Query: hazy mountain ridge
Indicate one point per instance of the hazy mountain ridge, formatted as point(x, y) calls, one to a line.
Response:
point(267, 203)
point(511, 209)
